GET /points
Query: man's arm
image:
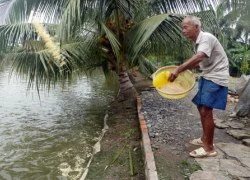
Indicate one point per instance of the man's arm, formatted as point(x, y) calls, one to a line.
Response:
point(190, 63)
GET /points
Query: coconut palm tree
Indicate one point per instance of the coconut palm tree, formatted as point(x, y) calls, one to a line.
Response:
point(50, 40)
point(233, 20)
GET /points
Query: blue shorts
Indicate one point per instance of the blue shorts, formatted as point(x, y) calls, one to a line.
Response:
point(211, 95)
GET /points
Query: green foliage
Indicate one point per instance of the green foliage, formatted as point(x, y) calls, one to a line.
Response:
point(245, 65)
point(233, 19)
point(173, 56)
point(95, 33)
point(239, 58)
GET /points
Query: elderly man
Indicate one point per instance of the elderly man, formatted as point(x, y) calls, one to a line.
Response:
point(212, 89)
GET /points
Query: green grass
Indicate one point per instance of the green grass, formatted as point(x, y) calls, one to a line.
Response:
point(188, 168)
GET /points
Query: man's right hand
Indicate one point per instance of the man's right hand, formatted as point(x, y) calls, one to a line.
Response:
point(174, 74)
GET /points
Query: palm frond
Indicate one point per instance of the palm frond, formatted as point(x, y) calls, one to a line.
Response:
point(235, 22)
point(182, 6)
point(32, 45)
point(46, 10)
point(36, 64)
point(164, 28)
point(83, 53)
point(71, 18)
point(37, 68)
point(85, 12)
point(14, 34)
point(127, 8)
point(146, 67)
point(113, 41)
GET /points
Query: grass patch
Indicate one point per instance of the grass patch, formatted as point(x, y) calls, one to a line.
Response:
point(188, 168)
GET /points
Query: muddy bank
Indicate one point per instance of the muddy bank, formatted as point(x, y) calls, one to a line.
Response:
point(120, 156)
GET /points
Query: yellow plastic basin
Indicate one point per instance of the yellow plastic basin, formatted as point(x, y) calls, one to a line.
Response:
point(178, 89)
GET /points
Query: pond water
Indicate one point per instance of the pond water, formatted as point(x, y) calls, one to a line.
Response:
point(50, 138)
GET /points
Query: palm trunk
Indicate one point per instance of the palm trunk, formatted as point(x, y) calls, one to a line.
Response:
point(127, 90)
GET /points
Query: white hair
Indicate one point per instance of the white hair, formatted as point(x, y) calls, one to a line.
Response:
point(194, 20)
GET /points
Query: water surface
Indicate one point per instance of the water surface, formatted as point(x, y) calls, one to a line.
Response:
point(50, 138)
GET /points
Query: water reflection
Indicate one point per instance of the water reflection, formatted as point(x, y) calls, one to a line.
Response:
point(50, 138)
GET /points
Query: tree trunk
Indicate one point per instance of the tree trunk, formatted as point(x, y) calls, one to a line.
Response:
point(127, 89)
point(243, 106)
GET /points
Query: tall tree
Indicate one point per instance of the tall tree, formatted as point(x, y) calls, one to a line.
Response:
point(234, 23)
point(234, 19)
point(79, 35)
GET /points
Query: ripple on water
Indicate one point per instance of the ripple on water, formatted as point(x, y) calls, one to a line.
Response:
point(53, 137)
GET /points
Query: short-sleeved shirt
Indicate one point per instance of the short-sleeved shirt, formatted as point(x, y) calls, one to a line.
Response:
point(215, 65)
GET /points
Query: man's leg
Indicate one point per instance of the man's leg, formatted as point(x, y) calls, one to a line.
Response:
point(207, 122)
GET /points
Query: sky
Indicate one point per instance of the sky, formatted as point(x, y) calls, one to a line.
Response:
point(3, 10)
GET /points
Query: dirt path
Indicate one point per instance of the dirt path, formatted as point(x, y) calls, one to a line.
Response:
point(172, 124)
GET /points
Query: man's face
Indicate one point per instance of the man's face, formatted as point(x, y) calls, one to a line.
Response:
point(189, 30)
